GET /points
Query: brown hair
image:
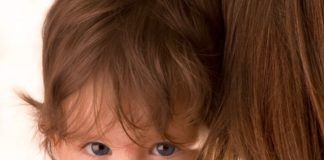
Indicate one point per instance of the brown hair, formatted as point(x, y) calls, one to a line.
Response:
point(273, 101)
point(159, 52)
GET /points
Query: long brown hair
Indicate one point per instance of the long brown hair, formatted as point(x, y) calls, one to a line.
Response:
point(158, 52)
point(273, 100)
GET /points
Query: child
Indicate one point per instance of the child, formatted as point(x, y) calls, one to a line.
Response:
point(126, 79)
point(274, 69)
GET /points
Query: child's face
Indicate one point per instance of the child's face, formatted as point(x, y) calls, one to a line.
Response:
point(115, 144)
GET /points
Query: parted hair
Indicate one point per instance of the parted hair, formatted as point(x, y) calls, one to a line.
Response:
point(273, 97)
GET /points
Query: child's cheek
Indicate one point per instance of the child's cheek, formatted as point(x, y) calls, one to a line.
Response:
point(182, 155)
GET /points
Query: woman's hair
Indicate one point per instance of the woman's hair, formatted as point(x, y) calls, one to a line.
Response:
point(273, 100)
point(157, 55)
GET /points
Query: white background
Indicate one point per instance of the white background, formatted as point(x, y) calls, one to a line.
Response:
point(20, 69)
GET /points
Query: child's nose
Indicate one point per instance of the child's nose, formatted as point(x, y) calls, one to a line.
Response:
point(130, 152)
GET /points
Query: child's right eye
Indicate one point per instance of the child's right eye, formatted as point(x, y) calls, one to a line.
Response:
point(97, 149)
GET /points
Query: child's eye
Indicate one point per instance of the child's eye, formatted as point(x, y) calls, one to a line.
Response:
point(164, 149)
point(97, 149)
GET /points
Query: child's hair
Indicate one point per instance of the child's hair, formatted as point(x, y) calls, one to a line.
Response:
point(273, 102)
point(157, 55)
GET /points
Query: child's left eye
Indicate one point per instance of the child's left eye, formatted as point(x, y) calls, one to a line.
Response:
point(164, 149)
point(97, 149)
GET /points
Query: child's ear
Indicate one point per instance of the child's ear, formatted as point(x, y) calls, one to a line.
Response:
point(202, 136)
point(53, 146)
point(59, 148)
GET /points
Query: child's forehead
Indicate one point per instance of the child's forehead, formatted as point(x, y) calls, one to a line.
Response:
point(91, 113)
point(96, 102)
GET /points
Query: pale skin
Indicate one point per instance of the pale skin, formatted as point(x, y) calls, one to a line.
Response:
point(115, 144)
